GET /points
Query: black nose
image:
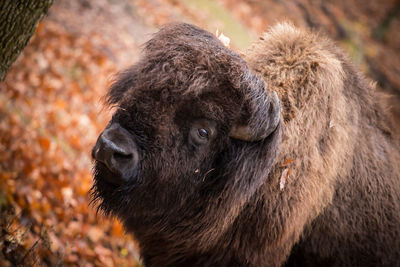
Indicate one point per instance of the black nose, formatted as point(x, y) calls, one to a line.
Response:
point(116, 149)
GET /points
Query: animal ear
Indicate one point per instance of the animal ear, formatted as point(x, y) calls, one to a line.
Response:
point(265, 113)
point(123, 82)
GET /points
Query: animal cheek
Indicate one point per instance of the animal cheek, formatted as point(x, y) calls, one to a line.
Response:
point(166, 140)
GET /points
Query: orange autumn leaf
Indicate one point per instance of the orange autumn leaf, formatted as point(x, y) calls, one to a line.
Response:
point(85, 184)
point(117, 229)
point(61, 104)
point(44, 143)
point(287, 162)
point(74, 141)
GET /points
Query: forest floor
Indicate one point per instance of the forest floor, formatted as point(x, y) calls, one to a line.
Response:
point(51, 109)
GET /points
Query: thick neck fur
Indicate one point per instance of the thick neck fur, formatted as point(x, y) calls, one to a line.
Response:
point(308, 77)
point(327, 109)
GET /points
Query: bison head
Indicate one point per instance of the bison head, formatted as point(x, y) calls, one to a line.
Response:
point(193, 137)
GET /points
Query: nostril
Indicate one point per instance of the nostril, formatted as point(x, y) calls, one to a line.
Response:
point(122, 156)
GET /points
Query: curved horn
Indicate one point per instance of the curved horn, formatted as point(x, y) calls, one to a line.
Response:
point(265, 118)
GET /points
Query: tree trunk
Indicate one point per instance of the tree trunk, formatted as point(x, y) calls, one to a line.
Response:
point(18, 21)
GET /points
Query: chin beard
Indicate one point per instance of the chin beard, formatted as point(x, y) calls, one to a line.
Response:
point(109, 199)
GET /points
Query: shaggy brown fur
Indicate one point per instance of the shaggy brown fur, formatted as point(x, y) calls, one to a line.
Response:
point(344, 184)
point(327, 193)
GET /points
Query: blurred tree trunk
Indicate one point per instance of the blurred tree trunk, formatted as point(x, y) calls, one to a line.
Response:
point(18, 21)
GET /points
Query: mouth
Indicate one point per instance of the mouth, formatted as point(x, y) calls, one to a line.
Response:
point(103, 174)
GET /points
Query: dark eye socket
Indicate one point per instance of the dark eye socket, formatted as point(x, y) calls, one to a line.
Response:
point(203, 133)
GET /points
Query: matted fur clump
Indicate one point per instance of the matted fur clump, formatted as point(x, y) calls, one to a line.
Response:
point(285, 157)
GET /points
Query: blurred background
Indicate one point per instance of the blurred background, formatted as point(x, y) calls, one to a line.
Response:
point(51, 107)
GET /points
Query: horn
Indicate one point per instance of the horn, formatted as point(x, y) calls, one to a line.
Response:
point(264, 120)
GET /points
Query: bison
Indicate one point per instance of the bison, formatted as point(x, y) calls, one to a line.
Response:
point(284, 156)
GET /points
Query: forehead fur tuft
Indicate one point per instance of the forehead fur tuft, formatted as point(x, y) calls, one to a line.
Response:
point(192, 58)
point(184, 59)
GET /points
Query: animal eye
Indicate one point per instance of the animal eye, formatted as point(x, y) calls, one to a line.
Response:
point(203, 133)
